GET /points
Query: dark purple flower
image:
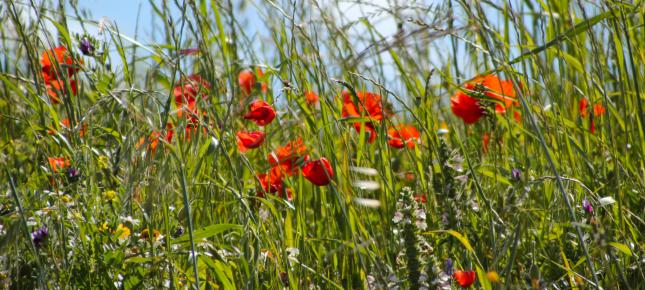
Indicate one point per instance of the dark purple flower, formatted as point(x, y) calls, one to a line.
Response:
point(516, 174)
point(586, 205)
point(447, 267)
point(178, 232)
point(73, 174)
point(86, 46)
point(39, 236)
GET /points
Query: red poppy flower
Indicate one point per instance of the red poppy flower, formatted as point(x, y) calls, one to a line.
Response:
point(246, 79)
point(186, 93)
point(49, 60)
point(466, 107)
point(497, 89)
point(598, 110)
point(55, 88)
point(319, 172)
point(289, 156)
point(403, 135)
point(582, 107)
point(260, 112)
point(58, 163)
point(311, 98)
point(249, 140)
point(465, 278)
point(421, 198)
point(370, 106)
point(272, 182)
point(54, 81)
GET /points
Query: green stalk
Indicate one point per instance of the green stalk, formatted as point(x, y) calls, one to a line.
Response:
point(41, 270)
point(190, 223)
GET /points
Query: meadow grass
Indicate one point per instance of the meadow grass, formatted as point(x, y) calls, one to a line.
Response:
point(149, 192)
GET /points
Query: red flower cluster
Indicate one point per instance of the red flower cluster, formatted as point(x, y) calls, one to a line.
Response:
point(403, 135)
point(57, 65)
point(472, 103)
point(287, 160)
point(261, 113)
point(598, 110)
point(289, 156)
point(187, 93)
point(58, 163)
point(370, 106)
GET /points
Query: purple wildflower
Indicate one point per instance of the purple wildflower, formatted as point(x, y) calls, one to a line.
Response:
point(73, 174)
point(447, 267)
point(39, 236)
point(516, 174)
point(586, 205)
point(86, 46)
point(178, 232)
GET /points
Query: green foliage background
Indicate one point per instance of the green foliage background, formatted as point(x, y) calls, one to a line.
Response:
point(200, 193)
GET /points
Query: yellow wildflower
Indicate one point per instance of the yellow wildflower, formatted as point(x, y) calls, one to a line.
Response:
point(109, 195)
point(104, 162)
point(492, 276)
point(104, 227)
point(66, 199)
point(122, 232)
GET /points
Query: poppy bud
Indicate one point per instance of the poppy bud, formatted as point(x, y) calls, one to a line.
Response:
point(318, 172)
point(464, 278)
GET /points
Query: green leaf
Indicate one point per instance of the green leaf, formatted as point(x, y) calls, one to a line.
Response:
point(483, 279)
point(621, 247)
point(457, 235)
